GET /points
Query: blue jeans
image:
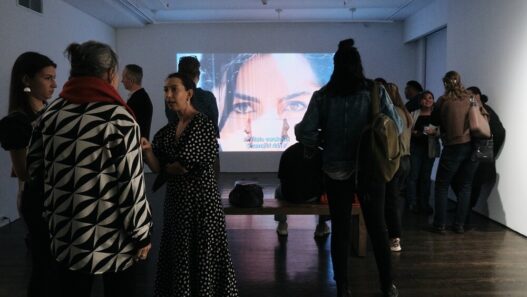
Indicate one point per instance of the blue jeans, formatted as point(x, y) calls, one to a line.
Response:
point(418, 184)
point(456, 161)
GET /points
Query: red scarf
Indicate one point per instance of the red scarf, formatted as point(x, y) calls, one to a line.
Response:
point(88, 89)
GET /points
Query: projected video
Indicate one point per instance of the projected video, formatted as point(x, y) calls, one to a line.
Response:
point(261, 97)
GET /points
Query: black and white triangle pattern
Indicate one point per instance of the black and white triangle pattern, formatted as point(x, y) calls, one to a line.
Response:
point(94, 185)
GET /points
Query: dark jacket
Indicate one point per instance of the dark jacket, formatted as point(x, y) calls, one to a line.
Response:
point(300, 178)
point(141, 105)
point(496, 128)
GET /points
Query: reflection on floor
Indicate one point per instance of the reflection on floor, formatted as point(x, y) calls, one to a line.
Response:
point(488, 260)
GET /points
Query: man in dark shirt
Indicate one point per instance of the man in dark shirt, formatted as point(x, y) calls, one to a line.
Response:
point(139, 101)
point(300, 182)
point(411, 92)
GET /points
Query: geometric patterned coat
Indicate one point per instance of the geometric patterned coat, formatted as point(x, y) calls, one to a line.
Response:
point(94, 189)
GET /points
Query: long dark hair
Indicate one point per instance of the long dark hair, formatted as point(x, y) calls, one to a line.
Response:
point(348, 74)
point(27, 65)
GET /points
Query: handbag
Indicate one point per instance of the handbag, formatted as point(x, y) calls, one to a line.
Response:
point(478, 122)
point(246, 194)
point(483, 150)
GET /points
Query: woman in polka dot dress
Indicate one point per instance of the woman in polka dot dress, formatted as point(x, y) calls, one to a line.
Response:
point(194, 258)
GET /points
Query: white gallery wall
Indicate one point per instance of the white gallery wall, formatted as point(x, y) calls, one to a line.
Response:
point(49, 33)
point(154, 48)
point(486, 41)
point(487, 44)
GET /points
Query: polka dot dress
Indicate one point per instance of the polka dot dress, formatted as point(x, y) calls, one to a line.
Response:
point(194, 258)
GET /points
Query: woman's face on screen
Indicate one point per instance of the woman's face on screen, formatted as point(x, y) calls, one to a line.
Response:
point(271, 95)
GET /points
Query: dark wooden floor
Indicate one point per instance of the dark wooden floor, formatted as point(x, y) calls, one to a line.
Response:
point(487, 261)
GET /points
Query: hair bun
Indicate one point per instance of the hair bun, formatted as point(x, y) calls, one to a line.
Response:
point(346, 43)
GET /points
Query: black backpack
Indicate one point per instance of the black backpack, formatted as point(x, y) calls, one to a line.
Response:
point(246, 194)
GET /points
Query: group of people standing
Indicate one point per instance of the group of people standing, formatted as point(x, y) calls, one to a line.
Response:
point(79, 160)
point(332, 126)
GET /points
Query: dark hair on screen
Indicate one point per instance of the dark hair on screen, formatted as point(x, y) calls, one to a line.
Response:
point(27, 64)
point(231, 71)
point(134, 73)
point(91, 58)
point(348, 74)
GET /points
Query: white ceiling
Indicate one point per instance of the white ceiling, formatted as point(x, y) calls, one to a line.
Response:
point(134, 13)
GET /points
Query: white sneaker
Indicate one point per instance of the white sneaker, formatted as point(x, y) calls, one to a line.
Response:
point(322, 230)
point(395, 244)
point(282, 229)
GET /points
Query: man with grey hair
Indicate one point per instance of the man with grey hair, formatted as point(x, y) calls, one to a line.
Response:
point(139, 101)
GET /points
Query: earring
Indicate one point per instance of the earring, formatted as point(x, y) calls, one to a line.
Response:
point(27, 90)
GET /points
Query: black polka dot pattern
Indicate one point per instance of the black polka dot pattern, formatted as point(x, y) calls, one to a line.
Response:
point(194, 258)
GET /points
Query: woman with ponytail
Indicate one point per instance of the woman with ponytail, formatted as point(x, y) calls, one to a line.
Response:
point(87, 144)
point(456, 158)
point(335, 118)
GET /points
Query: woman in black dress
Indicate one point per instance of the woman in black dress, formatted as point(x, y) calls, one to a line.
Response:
point(194, 258)
point(32, 83)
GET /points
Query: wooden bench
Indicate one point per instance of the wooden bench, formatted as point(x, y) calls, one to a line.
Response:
point(273, 206)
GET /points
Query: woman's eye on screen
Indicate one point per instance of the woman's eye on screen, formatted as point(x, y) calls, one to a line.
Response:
point(243, 108)
point(294, 106)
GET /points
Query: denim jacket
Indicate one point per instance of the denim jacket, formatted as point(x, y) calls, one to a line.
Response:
point(335, 124)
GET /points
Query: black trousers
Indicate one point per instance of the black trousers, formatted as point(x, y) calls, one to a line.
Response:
point(394, 198)
point(372, 199)
point(79, 284)
point(42, 279)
